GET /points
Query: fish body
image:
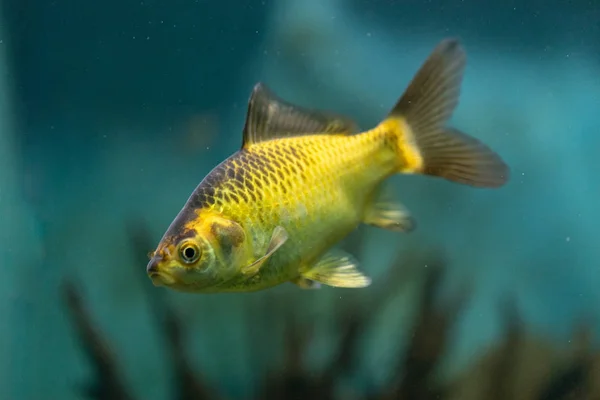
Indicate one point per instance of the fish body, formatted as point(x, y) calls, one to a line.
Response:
point(304, 179)
point(315, 187)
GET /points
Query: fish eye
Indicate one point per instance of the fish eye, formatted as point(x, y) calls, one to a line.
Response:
point(189, 252)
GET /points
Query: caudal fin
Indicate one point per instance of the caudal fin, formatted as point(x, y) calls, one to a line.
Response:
point(425, 144)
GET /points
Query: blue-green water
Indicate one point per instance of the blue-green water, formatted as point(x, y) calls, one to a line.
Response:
point(112, 112)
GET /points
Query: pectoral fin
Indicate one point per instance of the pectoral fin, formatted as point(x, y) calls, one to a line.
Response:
point(339, 269)
point(387, 213)
point(278, 238)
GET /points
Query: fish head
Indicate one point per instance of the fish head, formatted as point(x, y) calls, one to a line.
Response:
point(199, 257)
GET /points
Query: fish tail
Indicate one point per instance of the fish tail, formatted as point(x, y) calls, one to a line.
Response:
point(416, 124)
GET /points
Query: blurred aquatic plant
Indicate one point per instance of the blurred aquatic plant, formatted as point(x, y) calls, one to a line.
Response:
point(108, 383)
point(518, 367)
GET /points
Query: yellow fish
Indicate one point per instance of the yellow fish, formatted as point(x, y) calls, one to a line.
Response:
point(304, 179)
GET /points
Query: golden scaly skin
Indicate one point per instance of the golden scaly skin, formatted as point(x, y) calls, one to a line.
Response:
point(315, 187)
point(272, 212)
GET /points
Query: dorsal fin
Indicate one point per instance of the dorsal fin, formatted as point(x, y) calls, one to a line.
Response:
point(270, 117)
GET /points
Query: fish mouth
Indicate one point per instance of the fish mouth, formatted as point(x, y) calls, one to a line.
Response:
point(155, 271)
point(161, 279)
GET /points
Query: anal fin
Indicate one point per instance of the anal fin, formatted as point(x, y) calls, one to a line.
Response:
point(338, 269)
point(387, 213)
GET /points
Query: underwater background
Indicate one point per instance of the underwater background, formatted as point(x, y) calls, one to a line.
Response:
point(111, 112)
